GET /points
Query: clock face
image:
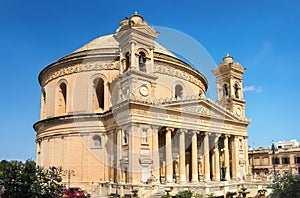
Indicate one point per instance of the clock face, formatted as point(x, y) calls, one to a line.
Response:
point(144, 90)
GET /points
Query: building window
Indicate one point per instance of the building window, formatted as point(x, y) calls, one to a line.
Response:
point(127, 61)
point(44, 104)
point(142, 62)
point(285, 160)
point(178, 91)
point(97, 142)
point(98, 96)
point(125, 137)
point(62, 99)
point(275, 160)
point(144, 136)
point(225, 90)
point(236, 90)
point(145, 175)
point(297, 160)
point(241, 144)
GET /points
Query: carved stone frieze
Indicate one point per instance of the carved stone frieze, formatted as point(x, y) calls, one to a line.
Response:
point(166, 69)
point(202, 111)
point(71, 68)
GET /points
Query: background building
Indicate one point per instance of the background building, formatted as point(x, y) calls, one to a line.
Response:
point(123, 109)
point(285, 160)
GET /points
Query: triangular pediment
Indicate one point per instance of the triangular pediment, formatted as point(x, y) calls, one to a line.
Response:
point(203, 107)
point(146, 30)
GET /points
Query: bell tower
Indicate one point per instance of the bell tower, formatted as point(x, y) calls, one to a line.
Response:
point(136, 44)
point(229, 79)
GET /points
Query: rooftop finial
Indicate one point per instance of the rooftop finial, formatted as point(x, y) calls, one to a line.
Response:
point(227, 59)
point(135, 13)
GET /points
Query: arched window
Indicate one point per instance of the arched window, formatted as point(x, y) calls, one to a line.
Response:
point(97, 142)
point(225, 90)
point(98, 96)
point(236, 90)
point(127, 61)
point(44, 104)
point(125, 137)
point(178, 91)
point(142, 62)
point(62, 98)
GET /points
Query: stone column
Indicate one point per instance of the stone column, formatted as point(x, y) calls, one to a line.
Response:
point(194, 158)
point(169, 157)
point(182, 175)
point(155, 153)
point(217, 158)
point(246, 156)
point(226, 158)
point(235, 158)
point(206, 158)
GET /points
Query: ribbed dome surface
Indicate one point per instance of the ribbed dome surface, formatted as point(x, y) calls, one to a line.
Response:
point(109, 42)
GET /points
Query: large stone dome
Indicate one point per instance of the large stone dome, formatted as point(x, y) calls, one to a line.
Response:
point(109, 42)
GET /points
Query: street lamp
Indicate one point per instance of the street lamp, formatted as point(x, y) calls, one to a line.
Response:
point(69, 173)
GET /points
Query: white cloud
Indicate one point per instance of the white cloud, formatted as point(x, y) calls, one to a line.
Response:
point(253, 88)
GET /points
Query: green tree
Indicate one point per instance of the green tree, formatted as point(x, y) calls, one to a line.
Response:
point(184, 194)
point(287, 186)
point(27, 180)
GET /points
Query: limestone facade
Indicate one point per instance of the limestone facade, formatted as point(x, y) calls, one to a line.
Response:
point(124, 109)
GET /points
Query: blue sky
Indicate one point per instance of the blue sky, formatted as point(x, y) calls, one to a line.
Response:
point(262, 35)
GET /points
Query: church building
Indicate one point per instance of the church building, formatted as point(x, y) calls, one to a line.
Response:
point(124, 110)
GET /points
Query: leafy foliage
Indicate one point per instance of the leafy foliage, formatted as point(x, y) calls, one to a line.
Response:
point(184, 194)
point(288, 186)
point(27, 180)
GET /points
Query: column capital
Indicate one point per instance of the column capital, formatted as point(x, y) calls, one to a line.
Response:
point(194, 132)
point(154, 127)
point(217, 135)
point(169, 129)
point(182, 130)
